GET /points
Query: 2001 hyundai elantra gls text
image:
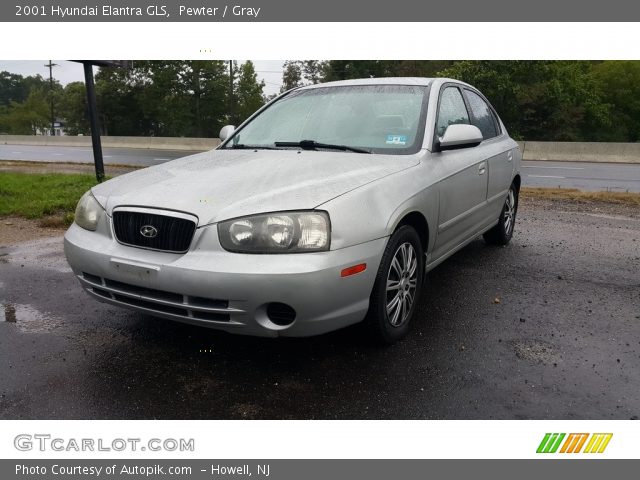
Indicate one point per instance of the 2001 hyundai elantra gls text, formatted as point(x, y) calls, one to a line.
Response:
point(325, 208)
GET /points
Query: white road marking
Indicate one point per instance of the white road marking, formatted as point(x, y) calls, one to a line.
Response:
point(16, 153)
point(107, 156)
point(544, 176)
point(57, 154)
point(162, 159)
point(560, 168)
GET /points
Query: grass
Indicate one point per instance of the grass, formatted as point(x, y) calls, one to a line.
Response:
point(51, 197)
point(578, 196)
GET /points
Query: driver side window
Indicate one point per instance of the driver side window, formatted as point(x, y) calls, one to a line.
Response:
point(452, 110)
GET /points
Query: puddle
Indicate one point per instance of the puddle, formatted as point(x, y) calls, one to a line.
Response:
point(27, 318)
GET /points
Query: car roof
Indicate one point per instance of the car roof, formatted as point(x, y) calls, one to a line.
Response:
point(418, 81)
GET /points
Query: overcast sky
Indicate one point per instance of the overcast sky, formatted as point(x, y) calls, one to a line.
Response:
point(268, 70)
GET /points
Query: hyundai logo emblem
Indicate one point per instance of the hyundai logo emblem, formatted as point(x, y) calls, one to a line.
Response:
point(148, 231)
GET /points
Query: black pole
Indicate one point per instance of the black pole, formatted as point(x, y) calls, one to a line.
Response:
point(53, 118)
point(93, 120)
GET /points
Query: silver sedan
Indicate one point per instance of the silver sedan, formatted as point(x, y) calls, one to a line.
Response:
point(324, 209)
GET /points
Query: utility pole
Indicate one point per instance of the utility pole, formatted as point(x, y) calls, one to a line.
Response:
point(53, 118)
point(231, 106)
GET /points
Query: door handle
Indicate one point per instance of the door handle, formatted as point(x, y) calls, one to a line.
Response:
point(482, 168)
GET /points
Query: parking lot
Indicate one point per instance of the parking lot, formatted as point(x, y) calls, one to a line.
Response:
point(546, 328)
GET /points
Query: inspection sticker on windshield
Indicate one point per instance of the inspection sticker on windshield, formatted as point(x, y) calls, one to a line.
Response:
point(396, 139)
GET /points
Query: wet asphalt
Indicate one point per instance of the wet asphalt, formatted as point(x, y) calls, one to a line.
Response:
point(545, 328)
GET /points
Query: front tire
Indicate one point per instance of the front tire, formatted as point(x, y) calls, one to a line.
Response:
point(397, 287)
point(503, 231)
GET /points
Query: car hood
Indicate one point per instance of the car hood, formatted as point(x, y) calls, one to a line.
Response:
point(223, 184)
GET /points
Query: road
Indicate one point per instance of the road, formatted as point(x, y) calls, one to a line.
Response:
point(584, 176)
point(545, 328)
point(120, 156)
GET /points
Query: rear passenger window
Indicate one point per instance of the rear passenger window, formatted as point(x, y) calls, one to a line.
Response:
point(482, 116)
point(452, 110)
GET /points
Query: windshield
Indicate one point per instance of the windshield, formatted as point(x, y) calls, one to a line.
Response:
point(375, 118)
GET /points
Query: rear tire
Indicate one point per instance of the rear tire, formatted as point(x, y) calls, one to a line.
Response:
point(501, 234)
point(396, 290)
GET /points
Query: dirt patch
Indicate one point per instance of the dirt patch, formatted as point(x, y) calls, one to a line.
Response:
point(14, 230)
point(536, 352)
point(598, 208)
point(586, 199)
point(245, 410)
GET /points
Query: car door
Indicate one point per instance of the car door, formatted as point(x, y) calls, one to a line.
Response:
point(463, 189)
point(497, 147)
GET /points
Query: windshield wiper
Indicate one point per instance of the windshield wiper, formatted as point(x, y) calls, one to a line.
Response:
point(242, 146)
point(313, 145)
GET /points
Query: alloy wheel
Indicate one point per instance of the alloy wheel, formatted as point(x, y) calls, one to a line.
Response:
point(402, 281)
point(509, 212)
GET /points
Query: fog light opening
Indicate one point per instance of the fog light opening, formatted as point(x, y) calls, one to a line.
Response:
point(281, 314)
point(361, 267)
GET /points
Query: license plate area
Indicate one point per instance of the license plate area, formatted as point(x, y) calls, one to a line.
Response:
point(131, 270)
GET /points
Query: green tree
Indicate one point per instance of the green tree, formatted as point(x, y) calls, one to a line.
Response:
point(538, 100)
point(291, 76)
point(73, 109)
point(618, 84)
point(185, 98)
point(30, 117)
point(165, 98)
point(119, 95)
point(303, 72)
point(16, 88)
point(248, 91)
point(347, 69)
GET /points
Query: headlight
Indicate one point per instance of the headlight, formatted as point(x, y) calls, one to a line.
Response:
point(281, 232)
point(88, 212)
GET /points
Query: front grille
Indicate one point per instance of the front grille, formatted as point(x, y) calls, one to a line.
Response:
point(176, 304)
point(173, 234)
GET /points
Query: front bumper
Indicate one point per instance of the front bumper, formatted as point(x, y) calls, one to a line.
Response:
point(227, 291)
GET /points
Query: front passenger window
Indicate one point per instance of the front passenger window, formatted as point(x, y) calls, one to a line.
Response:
point(452, 110)
point(482, 115)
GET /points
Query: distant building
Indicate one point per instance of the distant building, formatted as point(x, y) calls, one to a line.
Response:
point(58, 128)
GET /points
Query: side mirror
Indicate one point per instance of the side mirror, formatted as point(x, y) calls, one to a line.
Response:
point(226, 132)
point(460, 136)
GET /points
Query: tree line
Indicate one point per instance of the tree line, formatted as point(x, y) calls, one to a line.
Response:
point(154, 98)
point(537, 100)
point(597, 101)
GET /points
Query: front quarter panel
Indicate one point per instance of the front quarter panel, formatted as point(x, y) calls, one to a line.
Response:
point(374, 210)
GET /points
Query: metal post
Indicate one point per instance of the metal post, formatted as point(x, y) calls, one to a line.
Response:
point(53, 118)
point(93, 120)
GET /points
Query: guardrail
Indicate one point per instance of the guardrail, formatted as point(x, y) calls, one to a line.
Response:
point(156, 143)
point(601, 152)
point(554, 151)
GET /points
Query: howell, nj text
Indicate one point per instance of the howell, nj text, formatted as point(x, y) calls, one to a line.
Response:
point(240, 470)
